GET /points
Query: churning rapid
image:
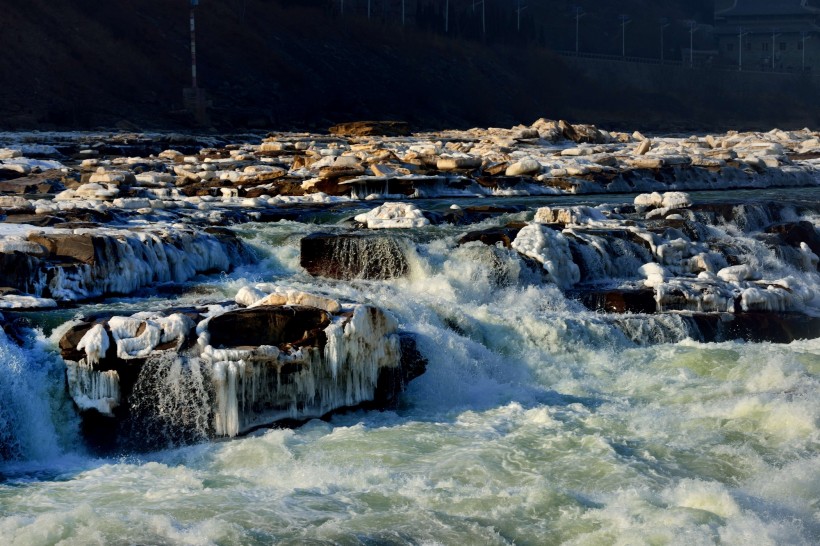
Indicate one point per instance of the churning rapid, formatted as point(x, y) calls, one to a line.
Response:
point(537, 421)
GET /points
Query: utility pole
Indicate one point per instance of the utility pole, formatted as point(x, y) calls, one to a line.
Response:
point(518, 11)
point(624, 21)
point(368, 10)
point(402, 12)
point(193, 98)
point(483, 19)
point(775, 34)
point(447, 16)
point(579, 12)
point(693, 26)
point(805, 36)
point(664, 24)
point(194, 4)
point(740, 35)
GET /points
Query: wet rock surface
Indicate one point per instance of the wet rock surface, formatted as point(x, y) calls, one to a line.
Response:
point(353, 256)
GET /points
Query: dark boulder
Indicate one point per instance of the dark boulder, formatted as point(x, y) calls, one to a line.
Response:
point(82, 248)
point(353, 256)
point(371, 128)
point(269, 325)
point(794, 233)
point(641, 300)
point(21, 271)
point(753, 326)
point(253, 367)
point(492, 236)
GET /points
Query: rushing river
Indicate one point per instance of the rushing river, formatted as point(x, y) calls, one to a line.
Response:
point(537, 422)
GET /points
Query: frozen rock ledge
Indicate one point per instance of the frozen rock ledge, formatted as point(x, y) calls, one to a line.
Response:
point(194, 374)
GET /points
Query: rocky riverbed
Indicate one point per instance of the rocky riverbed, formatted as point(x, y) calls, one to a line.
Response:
point(87, 220)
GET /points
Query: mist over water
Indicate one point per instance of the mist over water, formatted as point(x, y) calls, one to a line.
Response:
point(537, 422)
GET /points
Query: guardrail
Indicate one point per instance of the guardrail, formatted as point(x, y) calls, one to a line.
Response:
point(683, 64)
point(620, 58)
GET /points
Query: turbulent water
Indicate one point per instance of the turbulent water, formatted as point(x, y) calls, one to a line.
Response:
point(537, 422)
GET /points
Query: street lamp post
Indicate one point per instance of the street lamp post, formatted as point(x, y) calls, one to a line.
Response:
point(664, 24)
point(740, 35)
point(483, 19)
point(624, 21)
point(447, 16)
point(805, 36)
point(774, 37)
point(693, 27)
point(518, 10)
point(579, 12)
point(194, 4)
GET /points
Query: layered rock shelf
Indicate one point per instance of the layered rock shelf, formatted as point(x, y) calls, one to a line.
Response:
point(246, 182)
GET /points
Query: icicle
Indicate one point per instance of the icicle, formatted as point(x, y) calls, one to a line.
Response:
point(96, 343)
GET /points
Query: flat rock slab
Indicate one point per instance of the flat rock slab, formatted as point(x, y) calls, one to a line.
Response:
point(268, 325)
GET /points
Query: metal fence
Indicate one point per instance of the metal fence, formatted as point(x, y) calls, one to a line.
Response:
point(684, 64)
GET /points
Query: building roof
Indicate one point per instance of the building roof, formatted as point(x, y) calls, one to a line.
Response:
point(762, 8)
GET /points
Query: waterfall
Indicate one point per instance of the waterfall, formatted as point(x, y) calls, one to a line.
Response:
point(36, 420)
point(171, 403)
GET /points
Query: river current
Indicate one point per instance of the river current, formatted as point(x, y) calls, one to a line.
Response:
point(536, 422)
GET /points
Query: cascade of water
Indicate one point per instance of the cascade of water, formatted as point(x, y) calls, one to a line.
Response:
point(172, 401)
point(32, 397)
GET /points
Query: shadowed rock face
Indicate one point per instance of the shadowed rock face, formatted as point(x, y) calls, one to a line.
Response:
point(795, 233)
point(269, 325)
point(349, 256)
point(755, 327)
point(620, 301)
point(492, 236)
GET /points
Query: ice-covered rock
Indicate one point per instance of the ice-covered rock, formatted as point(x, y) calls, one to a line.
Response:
point(523, 167)
point(571, 215)
point(676, 200)
point(551, 249)
point(654, 274)
point(736, 273)
point(393, 216)
point(253, 367)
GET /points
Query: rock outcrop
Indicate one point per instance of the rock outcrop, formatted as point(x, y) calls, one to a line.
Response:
point(75, 265)
point(193, 374)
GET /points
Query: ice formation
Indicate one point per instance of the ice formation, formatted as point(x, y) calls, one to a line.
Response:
point(551, 249)
point(297, 297)
point(127, 260)
point(95, 343)
point(344, 374)
point(13, 301)
point(91, 389)
point(655, 274)
point(393, 215)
